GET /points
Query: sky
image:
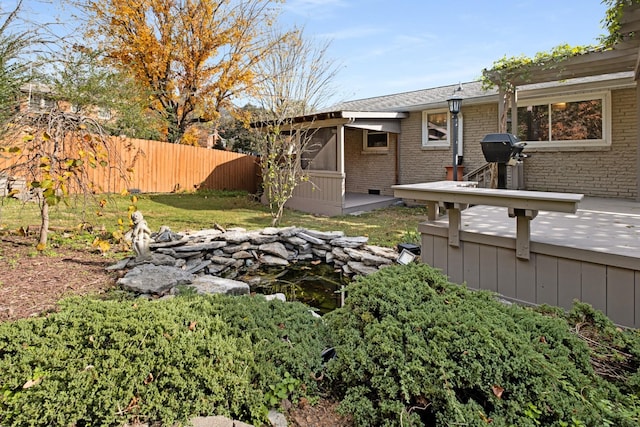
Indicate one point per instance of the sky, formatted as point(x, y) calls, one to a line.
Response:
point(392, 46)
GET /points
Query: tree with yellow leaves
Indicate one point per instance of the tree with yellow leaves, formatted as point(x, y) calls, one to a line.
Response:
point(193, 56)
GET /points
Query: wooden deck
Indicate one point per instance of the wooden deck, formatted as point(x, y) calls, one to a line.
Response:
point(607, 226)
point(592, 255)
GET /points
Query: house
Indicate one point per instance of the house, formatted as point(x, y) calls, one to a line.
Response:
point(580, 121)
point(369, 145)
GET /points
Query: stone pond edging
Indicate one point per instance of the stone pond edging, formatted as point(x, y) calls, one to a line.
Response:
point(211, 260)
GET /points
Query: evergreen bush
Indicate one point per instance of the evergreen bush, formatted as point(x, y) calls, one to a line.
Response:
point(110, 362)
point(413, 349)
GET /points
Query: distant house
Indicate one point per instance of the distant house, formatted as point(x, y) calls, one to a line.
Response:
point(580, 122)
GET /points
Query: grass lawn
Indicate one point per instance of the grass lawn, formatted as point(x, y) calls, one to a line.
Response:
point(193, 211)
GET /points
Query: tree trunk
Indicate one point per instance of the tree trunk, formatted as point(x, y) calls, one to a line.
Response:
point(44, 225)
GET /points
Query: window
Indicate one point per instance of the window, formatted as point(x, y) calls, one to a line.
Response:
point(375, 141)
point(436, 128)
point(104, 113)
point(40, 103)
point(572, 121)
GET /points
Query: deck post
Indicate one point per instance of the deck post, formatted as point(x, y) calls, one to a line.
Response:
point(432, 210)
point(455, 217)
point(523, 230)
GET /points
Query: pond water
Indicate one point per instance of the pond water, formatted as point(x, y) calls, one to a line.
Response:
point(319, 286)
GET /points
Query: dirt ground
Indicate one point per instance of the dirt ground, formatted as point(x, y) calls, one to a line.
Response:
point(31, 284)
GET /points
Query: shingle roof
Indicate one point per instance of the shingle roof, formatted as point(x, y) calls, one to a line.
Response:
point(471, 92)
point(414, 100)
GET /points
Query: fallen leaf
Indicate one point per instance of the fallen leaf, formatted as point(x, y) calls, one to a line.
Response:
point(31, 383)
point(497, 391)
point(149, 379)
point(192, 325)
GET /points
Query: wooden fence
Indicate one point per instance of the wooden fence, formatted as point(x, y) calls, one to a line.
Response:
point(160, 167)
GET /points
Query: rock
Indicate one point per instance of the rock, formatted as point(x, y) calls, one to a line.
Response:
point(207, 246)
point(324, 246)
point(328, 258)
point(217, 268)
point(204, 235)
point(277, 419)
point(217, 421)
point(310, 239)
point(213, 421)
point(320, 253)
point(270, 231)
point(154, 279)
point(244, 246)
point(186, 254)
point(392, 254)
point(350, 242)
point(166, 251)
point(235, 236)
point(289, 231)
point(296, 241)
point(340, 255)
point(169, 243)
point(259, 238)
point(360, 268)
point(325, 235)
point(277, 296)
point(197, 266)
point(365, 257)
point(219, 285)
point(120, 265)
point(222, 260)
point(165, 235)
point(275, 248)
point(158, 259)
point(272, 261)
point(242, 255)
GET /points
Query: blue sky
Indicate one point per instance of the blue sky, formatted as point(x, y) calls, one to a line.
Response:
point(391, 46)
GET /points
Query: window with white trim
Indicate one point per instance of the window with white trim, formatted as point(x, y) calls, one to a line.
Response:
point(375, 141)
point(436, 128)
point(104, 113)
point(579, 120)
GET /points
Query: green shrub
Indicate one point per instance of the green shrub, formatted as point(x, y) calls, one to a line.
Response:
point(413, 349)
point(108, 362)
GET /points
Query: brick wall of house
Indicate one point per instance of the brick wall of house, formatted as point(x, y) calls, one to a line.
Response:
point(368, 171)
point(609, 172)
point(418, 164)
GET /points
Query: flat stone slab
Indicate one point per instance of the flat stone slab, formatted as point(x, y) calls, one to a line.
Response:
point(271, 260)
point(219, 285)
point(154, 279)
point(325, 235)
point(350, 242)
point(216, 244)
point(275, 248)
point(361, 268)
point(309, 238)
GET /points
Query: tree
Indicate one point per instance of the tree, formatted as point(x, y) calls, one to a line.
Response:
point(79, 77)
point(298, 77)
point(193, 56)
point(14, 69)
point(54, 151)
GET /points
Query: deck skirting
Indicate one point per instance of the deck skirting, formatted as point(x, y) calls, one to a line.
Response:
point(553, 274)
